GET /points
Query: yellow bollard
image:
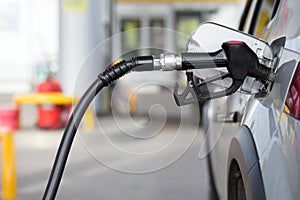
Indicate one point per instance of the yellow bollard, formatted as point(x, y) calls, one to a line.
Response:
point(132, 100)
point(8, 165)
point(88, 120)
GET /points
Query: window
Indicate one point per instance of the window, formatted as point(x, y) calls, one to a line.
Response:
point(257, 14)
point(157, 36)
point(265, 16)
point(130, 37)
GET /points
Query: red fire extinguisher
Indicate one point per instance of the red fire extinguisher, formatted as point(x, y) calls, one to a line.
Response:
point(49, 116)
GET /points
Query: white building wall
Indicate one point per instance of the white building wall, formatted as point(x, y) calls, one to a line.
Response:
point(28, 32)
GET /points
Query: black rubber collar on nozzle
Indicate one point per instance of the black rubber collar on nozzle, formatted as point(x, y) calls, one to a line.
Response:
point(116, 71)
point(140, 63)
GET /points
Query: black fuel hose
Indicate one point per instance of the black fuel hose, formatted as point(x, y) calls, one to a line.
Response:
point(67, 139)
point(104, 79)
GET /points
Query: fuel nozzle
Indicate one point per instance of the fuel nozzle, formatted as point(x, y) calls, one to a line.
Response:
point(239, 59)
point(236, 56)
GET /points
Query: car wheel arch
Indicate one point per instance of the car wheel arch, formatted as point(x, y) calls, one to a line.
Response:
point(242, 150)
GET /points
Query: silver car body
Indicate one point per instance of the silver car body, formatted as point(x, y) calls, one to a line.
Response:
point(265, 141)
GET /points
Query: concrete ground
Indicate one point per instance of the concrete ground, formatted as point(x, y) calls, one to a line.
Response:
point(120, 158)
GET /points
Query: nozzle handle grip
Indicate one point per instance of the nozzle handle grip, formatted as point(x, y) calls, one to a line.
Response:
point(200, 60)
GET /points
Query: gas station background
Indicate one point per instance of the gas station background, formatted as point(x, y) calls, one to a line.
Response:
point(38, 36)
